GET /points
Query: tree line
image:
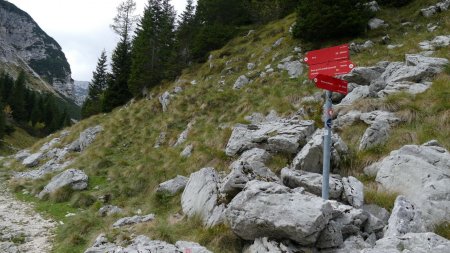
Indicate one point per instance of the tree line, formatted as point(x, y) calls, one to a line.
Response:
point(35, 112)
point(158, 45)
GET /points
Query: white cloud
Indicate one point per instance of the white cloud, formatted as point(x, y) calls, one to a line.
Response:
point(81, 27)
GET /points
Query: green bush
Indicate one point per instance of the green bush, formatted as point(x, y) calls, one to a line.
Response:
point(394, 3)
point(323, 19)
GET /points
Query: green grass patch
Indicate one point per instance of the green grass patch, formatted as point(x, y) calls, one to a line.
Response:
point(443, 230)
point(380, 198)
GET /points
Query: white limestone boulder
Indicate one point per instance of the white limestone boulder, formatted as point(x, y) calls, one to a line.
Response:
point(73, 178)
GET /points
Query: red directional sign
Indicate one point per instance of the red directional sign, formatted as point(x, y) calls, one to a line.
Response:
point(333, 68)
point(337, 53)
point(330, 83)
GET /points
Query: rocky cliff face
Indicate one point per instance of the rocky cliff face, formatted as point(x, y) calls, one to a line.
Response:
point(24, 44)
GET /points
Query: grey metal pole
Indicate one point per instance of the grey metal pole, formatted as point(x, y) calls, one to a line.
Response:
point(326, 147)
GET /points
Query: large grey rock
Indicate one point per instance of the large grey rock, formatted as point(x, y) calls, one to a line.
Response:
point(164, 100)
point(310, 157)
point(331, 236)
point(376, 134)
point(417, 59)
point(377, 115)
point(126, 221)
point(377, 211)
point(192, 247)
point(143, 244)
point(375, 23)
point(311, 182)
point(357, 93)
point(443, 5)
point(411, 242)
point(372, 6)
point(265, 245)
point(284, 136)
point(250, 166)
point(404, 86)
point(109, 210)
point(173, 186)
point(405, 218)
point(430, 11)
point(425, 167)
point(73, 178)
point(265, 209)
point(32, 160)
point(21, 155)
point(201, 197)
point(240, 82)
point(346, 119)
point(353, 244)
point(363, 75)
point(48, 145)
point(349, 220)
point(88, 136)
point(50, 166)
point(353, 191)
point(294, 68)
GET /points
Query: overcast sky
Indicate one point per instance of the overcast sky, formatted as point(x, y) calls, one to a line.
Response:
point(81, 27)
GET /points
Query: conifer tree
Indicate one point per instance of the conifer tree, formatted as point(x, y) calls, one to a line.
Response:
point(97, 86)
point(17, 98)
point(2, 122)
point(185, 34)
point(117, 92)
point(154, 52)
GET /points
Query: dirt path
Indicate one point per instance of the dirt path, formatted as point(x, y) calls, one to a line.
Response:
point(22, 229)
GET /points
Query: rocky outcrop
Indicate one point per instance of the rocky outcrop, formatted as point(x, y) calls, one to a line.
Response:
point(437, 42)
point(353, 191)
point(250, 166)
point(32, 160)
point(265, 209)
point(265, 245)
point(283, 135)
point(201, 197)
point(187, 151)
point(26, 43)
point(311, 182)
point(165, 99)
point(376, 134)
point(411, 242)
point(310, 157)
point(183, 136)
point(87, 136)
point(173, 186)
point(73, 178)
point(405, 218)
point(241, 82)
point(294, 68)
point(126, 221)
point(144, 244)
point(425, 167)
point(434, 9)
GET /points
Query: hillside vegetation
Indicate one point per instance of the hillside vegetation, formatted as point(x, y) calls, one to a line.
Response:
point(123, 162)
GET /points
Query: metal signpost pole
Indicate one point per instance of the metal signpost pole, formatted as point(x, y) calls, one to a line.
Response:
point(327, 146)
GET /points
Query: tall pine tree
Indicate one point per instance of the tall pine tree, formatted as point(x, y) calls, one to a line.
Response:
point(154, 52)
point(17, 98)
point(2, 122)
point(185, 34)
point(97, 86)
point(117, 92)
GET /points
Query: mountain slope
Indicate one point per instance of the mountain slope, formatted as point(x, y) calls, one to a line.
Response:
point(24, 45)
point(124, 164)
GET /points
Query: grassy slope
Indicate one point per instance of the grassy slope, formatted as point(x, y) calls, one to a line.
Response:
point(123, 162)
point(19, 139)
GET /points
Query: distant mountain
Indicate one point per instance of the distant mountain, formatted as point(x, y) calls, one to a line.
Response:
point(81, 91)
point(24, 45)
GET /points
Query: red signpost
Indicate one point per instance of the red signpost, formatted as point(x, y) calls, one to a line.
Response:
point(330, 83)
point(324, 64)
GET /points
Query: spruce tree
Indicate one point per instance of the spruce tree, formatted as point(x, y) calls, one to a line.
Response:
point(2, 122)
point(17, 98)
point(97, 86)
point(117, 92)
point(154, 54)
point(185, 34)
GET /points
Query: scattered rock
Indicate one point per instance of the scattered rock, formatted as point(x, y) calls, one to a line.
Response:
point(390, 47)
point(353, 191)
point(373, 6)
point(358, 47)
point(265, 209)
point(177, 90)
point(376, 134)
point(251, 65)
point(311, 182)
point(346, 119)
point(283, 135)
point(411, 242)
point(88, 136)
point(183, 136)
point(376, 23)
point(21, 155)
point(164, 99)
point(278, 42)
point(187, 151)
point(73, 178)
point(161, 140)
point(201, 197)
point(109, 210)
point(363, 75)
point(356, 94)
point(330, 237)
point(310, 157)
point(32, 160)
point(173, 186)
point(422, 167)
point(405, 218)
point(294, 68)
point(430, 11)
point(377, 211)
point(133, 220)
point(250, 166)
point(353, 244)
point(264, 245)
point(241, 82)
point(378, 115)
point(50, 166)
